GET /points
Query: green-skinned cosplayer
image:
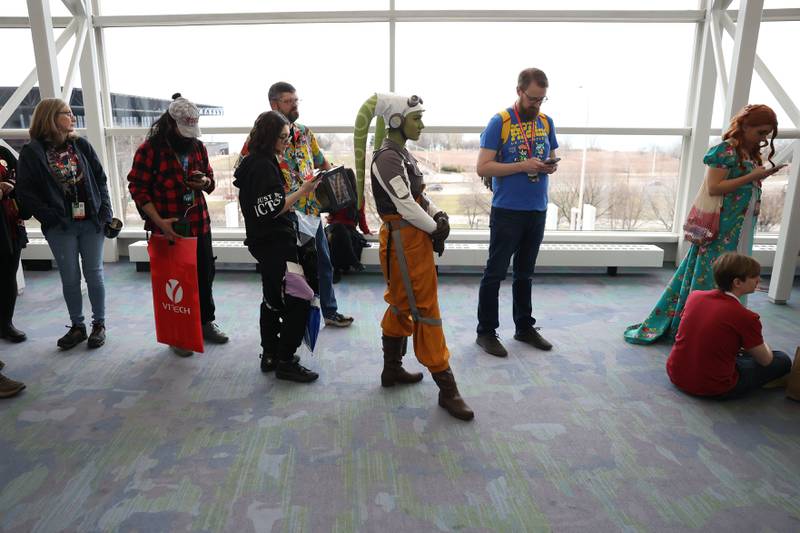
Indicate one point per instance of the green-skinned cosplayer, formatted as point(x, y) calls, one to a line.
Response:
point(413, 228)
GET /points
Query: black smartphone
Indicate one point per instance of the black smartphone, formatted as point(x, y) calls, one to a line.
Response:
point(552, 161)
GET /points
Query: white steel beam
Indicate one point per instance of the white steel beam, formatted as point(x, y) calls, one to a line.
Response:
point(776, 15)
point(75, 7)
point(323, 17)
point(30, 80)
point(392, 49)
point(785, 155)
point(693, 170)
point(769, 80)
point(719, 56)
point(93, 113)
point(743, 62)
point(780, 283)
point(743, 59)
point(80, 39)
point(44, 48)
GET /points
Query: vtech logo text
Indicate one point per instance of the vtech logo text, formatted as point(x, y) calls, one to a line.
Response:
point(175, 296)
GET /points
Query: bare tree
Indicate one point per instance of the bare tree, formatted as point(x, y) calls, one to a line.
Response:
point(627, 205)
point(476, 204)
point(565, 194)
point(771, 209)
point(661, 198)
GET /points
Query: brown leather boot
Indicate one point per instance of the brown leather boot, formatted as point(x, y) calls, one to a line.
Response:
point(793, 387)
point(449, 398)
point(394, 348)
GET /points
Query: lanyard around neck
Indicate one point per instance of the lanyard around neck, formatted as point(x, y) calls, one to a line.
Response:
point(528, 141)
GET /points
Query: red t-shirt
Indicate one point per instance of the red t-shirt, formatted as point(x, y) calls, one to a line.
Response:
point(714, 327)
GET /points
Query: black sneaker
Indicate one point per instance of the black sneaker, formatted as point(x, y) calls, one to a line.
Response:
point(268, 361)
point(532, 337)
point(490, 343)
point(294, 371)
point(97, 337)
point(212, 333)
point(75, 336)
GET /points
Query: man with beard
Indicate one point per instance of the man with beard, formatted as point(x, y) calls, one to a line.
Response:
point(518, 153)
point(169, 175)
point(299, 161)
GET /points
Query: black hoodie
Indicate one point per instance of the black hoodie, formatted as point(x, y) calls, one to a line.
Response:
point(261, 198)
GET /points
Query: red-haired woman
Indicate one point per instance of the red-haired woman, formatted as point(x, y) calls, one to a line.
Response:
point(735, 171)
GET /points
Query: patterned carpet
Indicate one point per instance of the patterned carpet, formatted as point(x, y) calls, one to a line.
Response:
point(591, 436)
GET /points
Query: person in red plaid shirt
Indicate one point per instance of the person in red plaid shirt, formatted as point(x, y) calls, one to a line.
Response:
point(169, 175)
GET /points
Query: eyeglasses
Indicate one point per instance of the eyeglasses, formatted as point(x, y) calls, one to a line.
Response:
point(69, 113)
point(289, 101)
point(535, 99)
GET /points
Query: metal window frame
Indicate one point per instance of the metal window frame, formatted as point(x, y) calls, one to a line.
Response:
point(710, 15)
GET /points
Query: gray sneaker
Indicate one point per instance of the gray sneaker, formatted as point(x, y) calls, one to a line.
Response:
point(338, 320)
point(212, 333)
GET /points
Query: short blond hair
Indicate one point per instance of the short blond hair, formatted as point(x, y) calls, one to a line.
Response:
point(43, 124)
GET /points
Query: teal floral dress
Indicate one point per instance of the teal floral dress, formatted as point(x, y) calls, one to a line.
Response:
point(739, 207)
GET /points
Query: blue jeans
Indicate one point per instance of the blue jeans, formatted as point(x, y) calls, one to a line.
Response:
point(327, 298)
point(80, 238)
point(517, 234)
point(753, 376)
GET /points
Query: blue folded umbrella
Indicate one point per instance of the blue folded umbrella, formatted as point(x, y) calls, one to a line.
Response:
point(312, 325)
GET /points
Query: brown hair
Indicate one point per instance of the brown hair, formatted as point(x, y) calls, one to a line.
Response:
point(529, 75)
point(731, 266)
point(43, 125)
point(751, 115)
point(265, 132)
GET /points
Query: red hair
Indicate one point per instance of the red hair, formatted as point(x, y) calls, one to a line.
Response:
point(751, 115)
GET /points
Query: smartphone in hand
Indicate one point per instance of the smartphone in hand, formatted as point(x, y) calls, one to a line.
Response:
point(777, 168)
point(552, 161)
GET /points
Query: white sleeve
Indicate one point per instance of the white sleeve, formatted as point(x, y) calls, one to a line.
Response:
point(432, 209)
point(411, 211)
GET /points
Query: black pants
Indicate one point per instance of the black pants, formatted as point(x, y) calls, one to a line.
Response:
point(516, 234)
point(345, 246)
point(205, 277)
point(8, 286)
point(753, 376)
point(283, 317)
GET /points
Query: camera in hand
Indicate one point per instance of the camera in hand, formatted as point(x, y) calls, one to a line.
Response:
point(112, 228)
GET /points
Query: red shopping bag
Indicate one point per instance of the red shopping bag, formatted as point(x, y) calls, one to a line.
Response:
point(176, 300)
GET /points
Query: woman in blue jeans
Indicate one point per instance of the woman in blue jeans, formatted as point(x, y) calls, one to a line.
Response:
point(61, 182)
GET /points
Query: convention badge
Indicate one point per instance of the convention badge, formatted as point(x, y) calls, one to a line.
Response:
point(188, 197)
point(78, 210)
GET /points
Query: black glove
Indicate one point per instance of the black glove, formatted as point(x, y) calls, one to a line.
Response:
point(442, 227)
point(438, 246)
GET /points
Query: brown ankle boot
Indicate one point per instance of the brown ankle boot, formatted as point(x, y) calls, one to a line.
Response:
point(793, 387)
point(394, 348)
point(449, 398)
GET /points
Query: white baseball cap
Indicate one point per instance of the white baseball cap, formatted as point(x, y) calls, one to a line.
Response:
point(186, 115)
